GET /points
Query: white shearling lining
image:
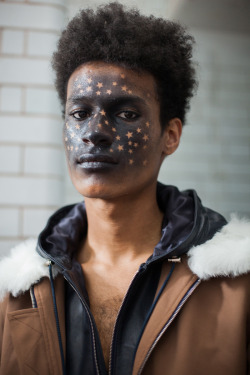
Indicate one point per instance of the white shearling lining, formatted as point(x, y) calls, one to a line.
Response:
point(22, 268)
point(226, 254)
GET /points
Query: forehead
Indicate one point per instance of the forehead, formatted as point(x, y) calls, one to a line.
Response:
point(120, 79)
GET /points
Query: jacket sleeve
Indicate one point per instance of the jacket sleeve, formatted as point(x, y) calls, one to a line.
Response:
point(3, 305)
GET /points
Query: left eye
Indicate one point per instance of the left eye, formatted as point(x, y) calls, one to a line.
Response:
point(80, 115)
point(128, 115)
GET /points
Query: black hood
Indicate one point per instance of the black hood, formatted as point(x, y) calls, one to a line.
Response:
point(186, 223)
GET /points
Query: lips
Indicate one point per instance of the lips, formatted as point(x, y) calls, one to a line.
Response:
point(93, 158)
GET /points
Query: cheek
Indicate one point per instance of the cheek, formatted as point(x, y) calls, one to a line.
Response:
point(72, 138)
point(133, 143)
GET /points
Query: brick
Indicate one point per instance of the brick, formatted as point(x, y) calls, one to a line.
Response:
point(54, 2)
point(30, 191)
point(10, 99)
point(31, 16)
point(9, 159)
point(30, 129)
point(43, 160)
point(9, 219)
point(12, 42)
point(41, 44)
point(25, 71)
point(43, 101)
point(34, 221)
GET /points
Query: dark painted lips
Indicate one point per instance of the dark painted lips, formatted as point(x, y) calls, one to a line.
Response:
point(93, 158)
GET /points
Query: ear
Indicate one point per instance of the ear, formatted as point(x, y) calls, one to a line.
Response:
point(172, 134)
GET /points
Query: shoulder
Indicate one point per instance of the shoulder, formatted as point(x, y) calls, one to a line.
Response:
point(22, 268)
point(226, 254)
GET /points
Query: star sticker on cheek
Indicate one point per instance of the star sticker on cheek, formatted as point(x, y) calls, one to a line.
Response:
point(99, 85)
point(120, 147)
point(129, 134)
point(109, 92)
point(118, 138)
point(145, 137)
point(103, 113)
point(98, 92)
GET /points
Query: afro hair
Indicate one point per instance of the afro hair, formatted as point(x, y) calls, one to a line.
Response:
point(124, 37)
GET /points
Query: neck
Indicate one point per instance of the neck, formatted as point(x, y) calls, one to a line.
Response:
point(122, 228)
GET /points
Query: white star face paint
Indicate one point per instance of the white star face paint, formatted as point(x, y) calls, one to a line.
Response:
point(112, 130)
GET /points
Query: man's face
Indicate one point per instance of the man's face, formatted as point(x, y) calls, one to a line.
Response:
point(112, 133)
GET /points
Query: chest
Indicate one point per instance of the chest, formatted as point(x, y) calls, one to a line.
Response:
point(105, 299)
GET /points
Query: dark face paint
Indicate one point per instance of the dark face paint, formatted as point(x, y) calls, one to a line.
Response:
point(112, 132)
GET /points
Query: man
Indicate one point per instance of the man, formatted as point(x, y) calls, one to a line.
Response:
point(141, 278)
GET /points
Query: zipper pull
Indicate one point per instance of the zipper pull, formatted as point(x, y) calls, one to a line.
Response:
point(175, 259)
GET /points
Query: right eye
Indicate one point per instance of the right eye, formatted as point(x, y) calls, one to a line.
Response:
point(80, 115)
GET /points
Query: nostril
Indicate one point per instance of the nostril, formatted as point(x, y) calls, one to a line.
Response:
point(98, 138)
point(86, 140)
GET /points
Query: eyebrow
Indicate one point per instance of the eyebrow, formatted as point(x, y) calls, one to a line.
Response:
point(120, 99)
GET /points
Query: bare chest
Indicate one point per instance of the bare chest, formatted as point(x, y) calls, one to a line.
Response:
point(105, 312)
point(105, 299)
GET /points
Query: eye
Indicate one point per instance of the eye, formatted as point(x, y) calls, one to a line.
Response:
point(128, 115)
point(80, 115)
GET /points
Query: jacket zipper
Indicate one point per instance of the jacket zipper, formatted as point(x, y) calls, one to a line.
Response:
point(42, 253)
point(138, 272)
point(90, 319)
point(175, 313)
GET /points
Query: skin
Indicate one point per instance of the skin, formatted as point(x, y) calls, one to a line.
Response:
point(113, 118)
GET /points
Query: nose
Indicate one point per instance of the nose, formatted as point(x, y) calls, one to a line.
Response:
point(98, 134)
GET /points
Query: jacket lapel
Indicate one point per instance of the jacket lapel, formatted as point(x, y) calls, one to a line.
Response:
point(166, 308)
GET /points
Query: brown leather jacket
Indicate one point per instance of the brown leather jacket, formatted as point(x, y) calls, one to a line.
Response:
point(207, 332)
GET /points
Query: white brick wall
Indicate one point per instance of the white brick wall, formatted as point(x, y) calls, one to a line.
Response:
point(214, 155)
point(41, 43)
point(31, 159)
point(12, 42)
point(10, 99)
